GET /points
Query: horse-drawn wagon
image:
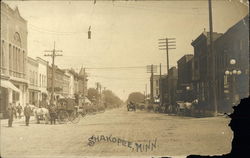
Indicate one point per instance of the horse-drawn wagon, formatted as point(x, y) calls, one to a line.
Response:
point(66, 107)
point(131, 106)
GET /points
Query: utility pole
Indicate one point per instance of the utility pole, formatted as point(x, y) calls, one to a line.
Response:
point(213, 57)
point(167, 44)
point(151, 69)
point(84, 85)
point(53, 55)
point(152, 84)
point(160, 87)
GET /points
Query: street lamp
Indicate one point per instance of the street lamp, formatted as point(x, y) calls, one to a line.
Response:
point(188, 88)
point(233, 72)
point(232, 61)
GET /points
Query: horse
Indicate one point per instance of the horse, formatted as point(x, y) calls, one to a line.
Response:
point(187, 108)
point(40, 114)
point(184, 108)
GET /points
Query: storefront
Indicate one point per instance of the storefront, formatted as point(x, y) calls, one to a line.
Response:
point(33, 97)
point(9, 93)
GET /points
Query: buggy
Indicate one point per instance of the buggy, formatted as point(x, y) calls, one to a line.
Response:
point(131, 106)
point(66, 107)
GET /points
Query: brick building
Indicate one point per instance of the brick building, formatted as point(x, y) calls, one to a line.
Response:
point(33, 88)
point(13, 55)
point(155, 88)
point(185, 71)
point(233, 44)
point(202, 71)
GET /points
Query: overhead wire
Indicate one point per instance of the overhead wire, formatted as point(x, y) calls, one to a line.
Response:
point(43, 30)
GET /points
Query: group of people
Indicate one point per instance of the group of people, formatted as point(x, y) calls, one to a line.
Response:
point(13, 110)
point(28, 112)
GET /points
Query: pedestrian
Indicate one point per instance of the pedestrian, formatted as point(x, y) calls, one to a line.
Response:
point(19, 110)
point(52, 112)
point(10, 114)
point(14, 110)
point(27, 113)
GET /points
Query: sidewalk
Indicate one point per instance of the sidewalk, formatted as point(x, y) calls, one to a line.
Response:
point(16, 120)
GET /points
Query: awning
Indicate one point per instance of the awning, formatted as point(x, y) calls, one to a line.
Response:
point(44, 91)
point(9, 85)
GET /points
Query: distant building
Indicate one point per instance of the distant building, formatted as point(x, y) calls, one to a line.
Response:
point(82, 84)
point(164, 90)
point(185, 71)
point(42, 79)
point(72, 78)
point(58, 84)
point(172, 85)
point(155, 88)
point(66, 83)
point(33, 88)
point(13, 55)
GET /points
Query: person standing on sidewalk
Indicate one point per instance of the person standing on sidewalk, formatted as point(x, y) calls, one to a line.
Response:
point(19, 110)
point(27, 113)
point(15, 110)
point(10, 114)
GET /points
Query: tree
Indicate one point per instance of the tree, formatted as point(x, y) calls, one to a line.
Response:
point(137, 97)
point(92, 94)
point(111, 100)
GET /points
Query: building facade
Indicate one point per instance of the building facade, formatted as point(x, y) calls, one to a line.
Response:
point(58, 84)
point(164, 90)
point(13, 54)
point(71, 83)
point(172, 85)
point(66, 84)
point(42, 79)
point(233, 44)
point(155, 88)
point(83, 85)
point(33, 88)
point(185, 71)
point(202, 72)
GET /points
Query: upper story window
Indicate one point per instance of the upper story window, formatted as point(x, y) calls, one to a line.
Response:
point(17, 39)
point(2, 54)
point(157, 83)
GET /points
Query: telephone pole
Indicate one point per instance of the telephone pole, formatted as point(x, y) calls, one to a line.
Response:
point(167, 44)
point(213, 56)
point(53, 55)
point(152, 84)
point(160, 87)
point(152, 69)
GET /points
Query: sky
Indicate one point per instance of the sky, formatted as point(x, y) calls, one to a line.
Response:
point(124, 35)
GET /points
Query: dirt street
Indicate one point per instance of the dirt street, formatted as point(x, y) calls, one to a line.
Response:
point(118, 132)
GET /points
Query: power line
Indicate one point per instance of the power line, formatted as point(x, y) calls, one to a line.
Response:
point(42, 30)
point(53, 55)
point(129, 67)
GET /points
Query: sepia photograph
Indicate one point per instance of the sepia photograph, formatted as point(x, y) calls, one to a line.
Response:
point(122, 78)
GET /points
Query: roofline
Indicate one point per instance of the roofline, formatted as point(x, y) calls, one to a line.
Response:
point(45, 62)
point(13, 10)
